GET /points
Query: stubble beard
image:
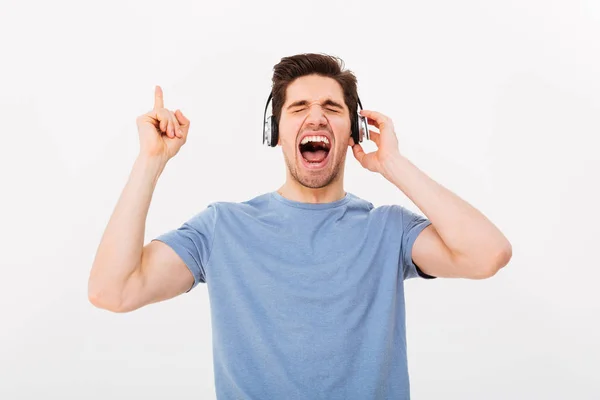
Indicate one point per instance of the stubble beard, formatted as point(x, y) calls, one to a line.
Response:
point(313, 180)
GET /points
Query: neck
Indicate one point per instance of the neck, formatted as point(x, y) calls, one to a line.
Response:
point(293, 190)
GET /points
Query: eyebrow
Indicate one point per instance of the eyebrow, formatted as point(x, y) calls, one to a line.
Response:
point(327, 102)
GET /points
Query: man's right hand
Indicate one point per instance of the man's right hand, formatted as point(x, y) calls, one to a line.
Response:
point(162, 132)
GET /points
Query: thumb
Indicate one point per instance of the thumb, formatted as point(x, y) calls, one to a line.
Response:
point(358, 153)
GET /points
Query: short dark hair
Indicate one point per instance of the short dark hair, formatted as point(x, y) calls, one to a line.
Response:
point(293, 67)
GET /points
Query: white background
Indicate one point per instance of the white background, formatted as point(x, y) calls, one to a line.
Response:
point(498, 101)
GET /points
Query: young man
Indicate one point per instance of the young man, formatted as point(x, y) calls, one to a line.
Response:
point(305, 282)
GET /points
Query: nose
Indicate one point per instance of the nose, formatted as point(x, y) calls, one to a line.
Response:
point(316, 116)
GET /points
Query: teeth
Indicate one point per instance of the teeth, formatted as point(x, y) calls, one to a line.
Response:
point(314, 139)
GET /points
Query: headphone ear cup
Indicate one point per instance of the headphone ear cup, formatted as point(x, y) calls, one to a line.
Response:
point(355, 130)
point(274, 132)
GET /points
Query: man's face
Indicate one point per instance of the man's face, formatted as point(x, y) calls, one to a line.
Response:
point(314, 129)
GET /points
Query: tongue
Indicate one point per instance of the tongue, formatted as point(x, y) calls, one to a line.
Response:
point(315, 156)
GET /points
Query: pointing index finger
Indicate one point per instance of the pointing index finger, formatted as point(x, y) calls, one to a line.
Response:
point(158, 98)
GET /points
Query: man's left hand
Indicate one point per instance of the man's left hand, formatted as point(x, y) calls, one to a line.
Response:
point(386, 141)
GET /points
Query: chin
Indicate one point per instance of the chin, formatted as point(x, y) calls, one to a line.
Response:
point(314, 182)
point(316, 177)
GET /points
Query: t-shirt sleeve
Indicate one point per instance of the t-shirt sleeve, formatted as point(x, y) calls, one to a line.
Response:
point(412, 225)
point(193, 242)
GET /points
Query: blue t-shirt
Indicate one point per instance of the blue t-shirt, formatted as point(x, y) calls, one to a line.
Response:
point(307, 300)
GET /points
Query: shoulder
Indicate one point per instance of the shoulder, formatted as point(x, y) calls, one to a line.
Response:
point(396, 210)
point(359, 203)
point(387, 211)
point(386, 216)
point(397, 216)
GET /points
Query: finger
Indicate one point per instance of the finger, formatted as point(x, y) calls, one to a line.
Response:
point(170, 132)
point(176, 127)
point(183, 121)
point(158, 98)
point(350, 141)
point(377, 118)
point(376, 137)
point(164, 123)
point(365, 159)
point(372, 122)
point(359, 153)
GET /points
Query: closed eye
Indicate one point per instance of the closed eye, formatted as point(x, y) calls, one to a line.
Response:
point(328, 109)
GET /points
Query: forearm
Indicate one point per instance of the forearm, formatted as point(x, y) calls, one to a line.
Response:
point(120, 249)
point(467, 233)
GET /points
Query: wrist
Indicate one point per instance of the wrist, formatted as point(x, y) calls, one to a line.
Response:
point(393, 167)
point(152, 165)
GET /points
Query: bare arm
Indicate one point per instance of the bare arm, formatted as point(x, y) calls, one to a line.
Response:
point(126, 274)
point(460, 242)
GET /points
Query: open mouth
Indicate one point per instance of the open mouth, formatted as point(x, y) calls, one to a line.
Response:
point(314, 151)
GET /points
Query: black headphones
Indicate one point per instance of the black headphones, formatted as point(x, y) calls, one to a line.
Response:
point(358, 125)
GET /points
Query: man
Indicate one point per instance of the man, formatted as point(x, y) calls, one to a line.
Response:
point(306, 282)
